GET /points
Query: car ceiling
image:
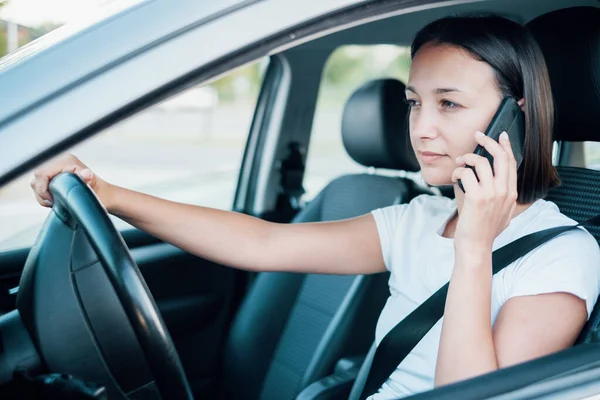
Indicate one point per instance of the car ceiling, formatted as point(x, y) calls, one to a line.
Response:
point(401, 28)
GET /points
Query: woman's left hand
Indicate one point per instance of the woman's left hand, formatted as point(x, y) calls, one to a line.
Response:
point(488, 204)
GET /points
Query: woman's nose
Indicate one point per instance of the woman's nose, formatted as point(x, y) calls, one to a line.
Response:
point(423, 124)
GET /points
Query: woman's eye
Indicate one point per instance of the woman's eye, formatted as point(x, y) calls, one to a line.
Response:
point(412, 103)
point(447, 104)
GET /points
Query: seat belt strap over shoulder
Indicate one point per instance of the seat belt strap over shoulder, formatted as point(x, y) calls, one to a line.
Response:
point(400, 341)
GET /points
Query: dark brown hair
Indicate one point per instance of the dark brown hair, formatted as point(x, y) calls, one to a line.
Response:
point(520, 70)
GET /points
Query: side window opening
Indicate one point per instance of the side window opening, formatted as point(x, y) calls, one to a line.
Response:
point(188, 148)
point(591, 155)
point(347, 68)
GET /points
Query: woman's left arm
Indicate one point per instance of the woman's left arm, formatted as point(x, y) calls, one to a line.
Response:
point(527, 327)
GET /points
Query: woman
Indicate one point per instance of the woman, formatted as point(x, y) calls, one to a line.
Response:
point(462, 68)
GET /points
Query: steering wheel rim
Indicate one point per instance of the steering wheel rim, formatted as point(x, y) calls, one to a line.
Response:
point(73, 199)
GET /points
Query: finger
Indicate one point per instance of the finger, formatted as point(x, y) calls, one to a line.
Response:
point(37, 197)
point(504, 141)
point(88, 176)
point(501, 163)
point(69, 168)
point(55, 166)
point(511, 167)
point(41, 189)
point(468, 179)
point(493, 147)
point(45, 203)
point(41, 182)
point(506, 145)
point(501, 175)
point(456, 173)
point(75, 169)
point(482, 167)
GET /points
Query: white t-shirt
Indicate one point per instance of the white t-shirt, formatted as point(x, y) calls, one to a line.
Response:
point(421, 260)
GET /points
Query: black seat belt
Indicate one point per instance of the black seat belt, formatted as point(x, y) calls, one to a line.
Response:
point(400, 341)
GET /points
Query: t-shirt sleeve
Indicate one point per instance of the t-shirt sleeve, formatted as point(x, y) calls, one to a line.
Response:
point(387, 220)
point(569, 263)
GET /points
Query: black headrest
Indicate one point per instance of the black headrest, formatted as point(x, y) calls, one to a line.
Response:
point(374, 126)
point(570, 41)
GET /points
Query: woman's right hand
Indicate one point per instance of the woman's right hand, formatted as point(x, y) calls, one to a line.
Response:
point(67, 163)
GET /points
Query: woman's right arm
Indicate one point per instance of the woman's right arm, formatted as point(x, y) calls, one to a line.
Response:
point(343, 247)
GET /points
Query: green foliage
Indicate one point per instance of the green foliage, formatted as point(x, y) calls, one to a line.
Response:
point(26, 35)
point(3, 43)
point(350, 65)
point(343, 66)
point(40, 30)
point(250, 74)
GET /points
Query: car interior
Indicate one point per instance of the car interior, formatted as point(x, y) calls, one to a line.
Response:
point(285, 336)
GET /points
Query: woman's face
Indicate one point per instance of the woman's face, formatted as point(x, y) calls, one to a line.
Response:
point(451, 96)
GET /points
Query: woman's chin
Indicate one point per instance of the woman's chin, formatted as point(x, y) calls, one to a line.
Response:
point(436, 178)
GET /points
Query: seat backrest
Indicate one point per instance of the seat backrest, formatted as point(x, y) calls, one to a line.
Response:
point(570, 41)
point(292, 328)
point(578, 197)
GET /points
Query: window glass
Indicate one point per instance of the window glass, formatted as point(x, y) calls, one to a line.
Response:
point(188, 149)
point(592, 155)
point(347, 68)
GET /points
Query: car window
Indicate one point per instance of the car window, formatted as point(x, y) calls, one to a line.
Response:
point(592, 155)
point(347, 68)
point(187, 149)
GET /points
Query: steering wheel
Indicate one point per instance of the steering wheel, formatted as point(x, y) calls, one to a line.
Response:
point(87, 307)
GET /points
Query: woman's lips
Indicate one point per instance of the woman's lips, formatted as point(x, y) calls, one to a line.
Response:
point(429, 158)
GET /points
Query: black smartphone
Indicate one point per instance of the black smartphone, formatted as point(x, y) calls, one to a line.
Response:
point(509, 118)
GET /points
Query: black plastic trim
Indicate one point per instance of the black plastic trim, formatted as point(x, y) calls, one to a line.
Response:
point(17, 351)
point(12, 263)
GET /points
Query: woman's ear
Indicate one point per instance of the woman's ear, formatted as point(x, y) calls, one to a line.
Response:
point(521, 104)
